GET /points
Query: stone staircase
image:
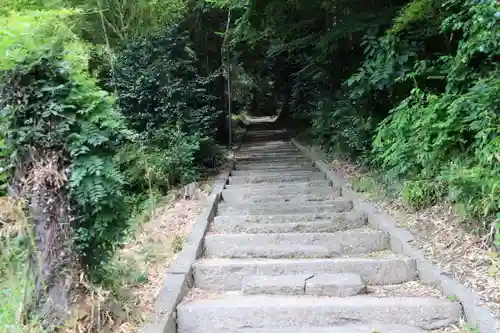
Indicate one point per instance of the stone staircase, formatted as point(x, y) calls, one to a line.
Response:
point(286, 253)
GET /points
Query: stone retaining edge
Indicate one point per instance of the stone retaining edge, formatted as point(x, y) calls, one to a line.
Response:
point(401, 240)
point(179, 276)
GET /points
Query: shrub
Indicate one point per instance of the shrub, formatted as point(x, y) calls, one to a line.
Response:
point(341, 126)
point(419, 194)
point(57, 117)
point(159, 86)
point(149, 167)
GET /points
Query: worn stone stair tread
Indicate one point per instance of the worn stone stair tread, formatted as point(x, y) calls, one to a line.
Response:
point(272, 311)
point(333, 206)
point(256, 171)
point(295, 198)
point(226, 274)
point(269, 144)
point(269, 150)
point(271, 251)
point(354, 328)
point(274, 159)
point(272, 173)
point(276, 178)
point(239, 165)
point(305, 226)
point(281, 195)
point(295, 185)
point(275, 285)
point(347, 219)
point(290, 245)
point(296, 188)
point(269, 153)
point(335, 285)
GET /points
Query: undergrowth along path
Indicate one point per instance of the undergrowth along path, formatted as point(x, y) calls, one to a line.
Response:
point(288, 253)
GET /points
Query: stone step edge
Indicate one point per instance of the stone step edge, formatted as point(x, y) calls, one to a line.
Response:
point(287, 218)
point(333, 206)
point(333, 285)
point(226, 274)
point(304, 184)
point(352, 328)
point(295, 198)
point(227, 312)
point(284, 227)
point(274, 173)
point(295, 245)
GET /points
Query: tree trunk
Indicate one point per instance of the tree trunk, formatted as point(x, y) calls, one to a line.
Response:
point(41, 184)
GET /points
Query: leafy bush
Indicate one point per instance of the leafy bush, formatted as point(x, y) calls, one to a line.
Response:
point(441, 133)
point(54, 109)
point(340, 126)
point(159, 86)
point(422, 193)
point(149, 167)
point(423, 104)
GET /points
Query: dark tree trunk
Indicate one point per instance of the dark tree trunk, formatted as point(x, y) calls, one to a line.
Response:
point(41, 183)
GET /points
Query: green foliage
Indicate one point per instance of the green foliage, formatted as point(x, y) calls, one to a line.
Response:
point(147, 167)
point(4, 175)
point(419, 194)
point(30, 34)
point(442, 129)
point(416, 12)
point(53, 107)
point(158, 85)
point(340, 126)
point(410, 87)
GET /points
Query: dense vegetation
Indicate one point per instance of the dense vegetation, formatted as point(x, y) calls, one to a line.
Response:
point(107, 105)
point(410, 88)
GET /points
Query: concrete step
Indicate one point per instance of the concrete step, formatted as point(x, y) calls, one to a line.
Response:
point(280, 208)
point(262, 138)
point(295, 245)
point(286, 169)
point(270, 155)
point(229, 312)
point(271, 228)
point(281, 194)
point(239, 165)
point(354, 328)
point(285, 251)
point(227, 274)
point(277, 178)
point(295, 186)
point(266, 131)
point(272, 173)
point(268, 144)
point(269, 152)
point(268, 149)
point(339, 221)
point(271, 136)
point(334, 285)
point(274, 159)
point(296, 198)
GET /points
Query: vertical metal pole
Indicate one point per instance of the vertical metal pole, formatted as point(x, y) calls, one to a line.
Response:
point(228, 68)
point(229, 103)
